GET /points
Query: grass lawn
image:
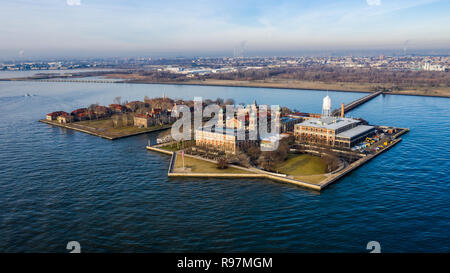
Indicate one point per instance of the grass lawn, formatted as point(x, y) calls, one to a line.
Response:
point(314, 179)
point(201, 166)
point(105, 126)
point(173, 147)
point(302, 165)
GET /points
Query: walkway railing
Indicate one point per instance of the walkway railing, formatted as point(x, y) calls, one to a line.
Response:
point(356, 103)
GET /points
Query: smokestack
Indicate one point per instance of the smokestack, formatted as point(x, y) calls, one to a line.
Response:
point(342, 110)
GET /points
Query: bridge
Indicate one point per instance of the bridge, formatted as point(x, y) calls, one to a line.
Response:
point(62, 80)
point(74, 80)
point(352, 105)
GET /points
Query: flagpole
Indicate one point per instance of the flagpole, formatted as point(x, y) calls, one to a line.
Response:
point(182, 156)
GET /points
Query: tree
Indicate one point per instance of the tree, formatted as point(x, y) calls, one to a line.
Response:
point(268, 160)
point(125, 120)
point(219, 101)
point(116, 121)
point(117, 100)
point(91, 109)
point(331, 159)
point(229, 102)
point(243, 159)
point(239, 158)
point(285, 110)
point(222, 163)
point(254, 153)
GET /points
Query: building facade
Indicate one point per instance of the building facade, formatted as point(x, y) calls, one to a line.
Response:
point(332, 131)
point(225, 139)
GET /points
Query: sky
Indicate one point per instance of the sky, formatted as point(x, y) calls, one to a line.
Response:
point(90, 28)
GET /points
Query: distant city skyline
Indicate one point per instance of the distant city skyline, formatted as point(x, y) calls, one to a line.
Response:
point(90, 28)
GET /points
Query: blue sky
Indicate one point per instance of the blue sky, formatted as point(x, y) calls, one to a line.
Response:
point(114, 27)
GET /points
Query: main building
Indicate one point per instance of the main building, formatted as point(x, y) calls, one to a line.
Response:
point(332, 131)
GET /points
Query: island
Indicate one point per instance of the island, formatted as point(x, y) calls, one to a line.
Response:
point(311, 150)
point(118, 120)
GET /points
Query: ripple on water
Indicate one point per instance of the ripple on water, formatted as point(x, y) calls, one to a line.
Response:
point(58, 185)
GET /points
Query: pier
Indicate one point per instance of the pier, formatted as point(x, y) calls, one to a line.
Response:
point(71, 80)
point(352, 105)
point(62, 80)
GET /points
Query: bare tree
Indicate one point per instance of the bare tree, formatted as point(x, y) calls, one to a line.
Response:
point(125, 120)
point(222, 163)
point(254, 153)
point(331, 159)
point(229, 102)
point(219, 101)
point(117, 121)
point(117, 100)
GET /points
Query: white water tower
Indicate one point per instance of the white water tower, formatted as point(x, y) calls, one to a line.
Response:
point(326, 107)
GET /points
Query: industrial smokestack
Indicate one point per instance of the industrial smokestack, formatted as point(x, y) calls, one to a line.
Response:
point(342, 110)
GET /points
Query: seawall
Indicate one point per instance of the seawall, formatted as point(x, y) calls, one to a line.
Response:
point(69, 126)
point(332, 178)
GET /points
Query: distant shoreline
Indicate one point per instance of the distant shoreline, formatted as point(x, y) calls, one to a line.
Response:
point(283, 87)
point(229, 84)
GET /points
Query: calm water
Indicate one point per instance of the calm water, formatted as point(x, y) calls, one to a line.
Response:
point(58, 185)
point(28, 73)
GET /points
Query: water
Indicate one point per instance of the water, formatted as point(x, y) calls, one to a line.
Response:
point(57, 185)
point(4, 74)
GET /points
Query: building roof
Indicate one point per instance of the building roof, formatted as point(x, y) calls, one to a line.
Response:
point(331, 123)
point(273, 138)
point(79, 112)
point(117, 107)
point(146, 116)
point(58, 113)
point(288, 119)
point(224, 131)
point(358, 130)
point(298, 115)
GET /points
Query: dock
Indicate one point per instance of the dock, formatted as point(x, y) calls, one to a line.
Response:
point(356, 103)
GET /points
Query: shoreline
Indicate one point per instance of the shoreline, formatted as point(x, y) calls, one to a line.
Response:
point(101, 135)
point(250, 85)
point(332, 178)
point(286, 87)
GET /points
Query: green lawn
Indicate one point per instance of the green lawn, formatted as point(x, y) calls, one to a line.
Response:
point(105, 126)
point(173, 147)
point(202, 166)
point(314, 179)
point(302, 165)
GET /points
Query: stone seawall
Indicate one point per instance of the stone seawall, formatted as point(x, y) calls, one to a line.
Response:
point(216, 175)
point(71, 127)
point(333, 177)
point(67, 126)
point(355, 165)
point(255, 175)
point(151, 148)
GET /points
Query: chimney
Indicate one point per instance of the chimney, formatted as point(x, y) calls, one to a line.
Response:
point(342, 110)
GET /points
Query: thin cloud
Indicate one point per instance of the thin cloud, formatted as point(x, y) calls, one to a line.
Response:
point(373, 2)
point(73, 2)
